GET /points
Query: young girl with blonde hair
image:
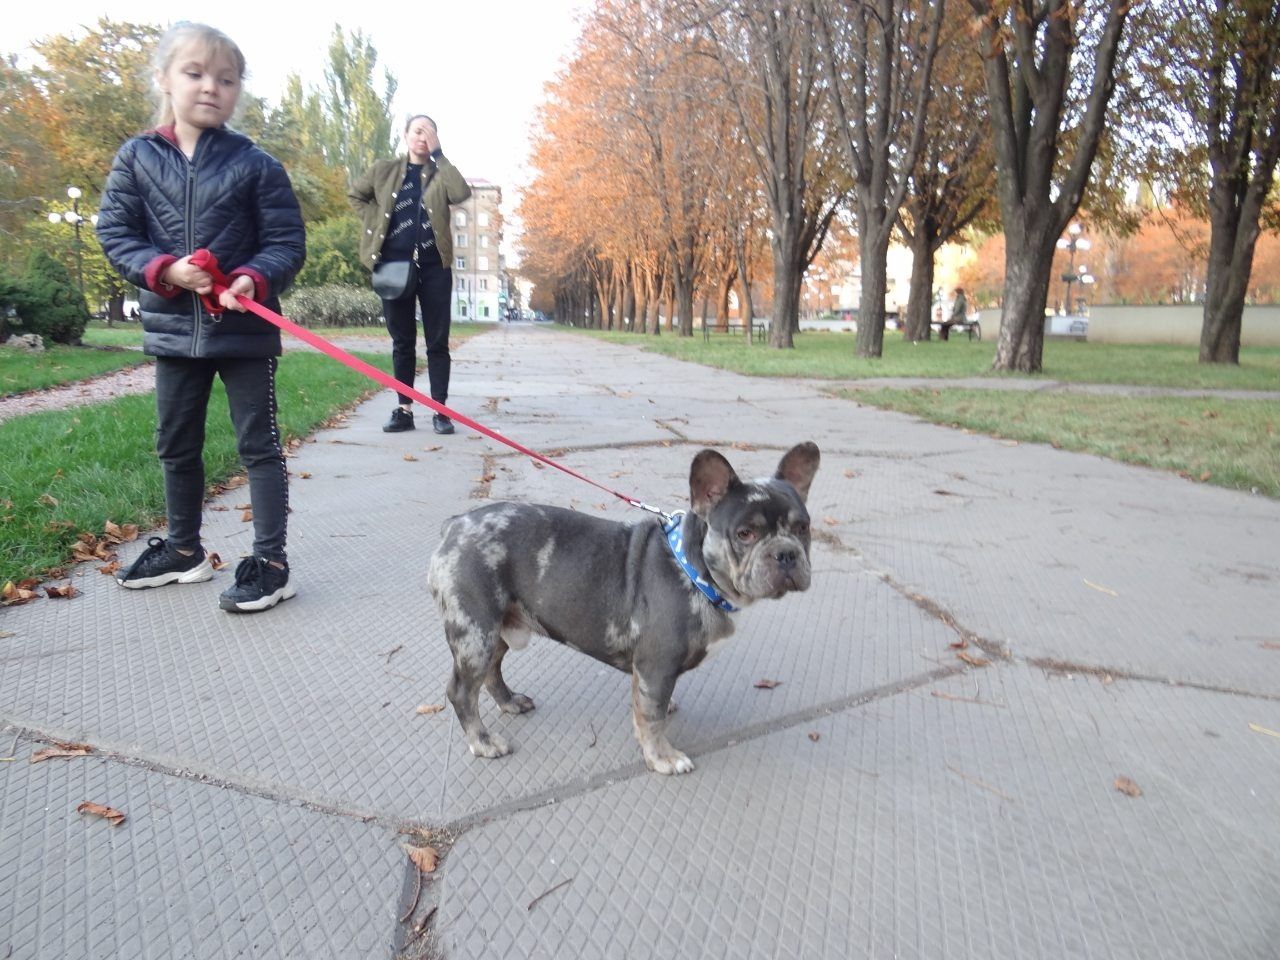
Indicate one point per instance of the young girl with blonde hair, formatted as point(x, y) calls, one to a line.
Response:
point(193, 183)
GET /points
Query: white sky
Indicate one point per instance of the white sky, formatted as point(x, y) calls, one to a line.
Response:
point(476, 67)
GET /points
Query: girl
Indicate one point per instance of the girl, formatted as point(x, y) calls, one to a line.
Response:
point(191, 183)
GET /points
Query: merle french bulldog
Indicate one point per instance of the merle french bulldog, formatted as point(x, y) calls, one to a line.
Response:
point(653, 602)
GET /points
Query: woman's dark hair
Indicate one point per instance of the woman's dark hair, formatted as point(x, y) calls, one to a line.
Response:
point(420, 116)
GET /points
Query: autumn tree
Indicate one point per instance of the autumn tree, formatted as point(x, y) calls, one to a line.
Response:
point(357, 105)
point(771, 74)
point(953, 181)
point(1217, 74)
point(878, 57)
point(1050, 69)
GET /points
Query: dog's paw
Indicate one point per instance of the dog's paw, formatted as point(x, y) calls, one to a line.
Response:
point(674, 762)
point(518, 703)
point(489, 746)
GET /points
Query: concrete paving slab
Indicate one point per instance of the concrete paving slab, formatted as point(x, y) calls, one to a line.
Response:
point(194, 871)
point(913, 826)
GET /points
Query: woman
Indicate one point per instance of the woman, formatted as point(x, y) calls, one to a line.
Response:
point(403, 205)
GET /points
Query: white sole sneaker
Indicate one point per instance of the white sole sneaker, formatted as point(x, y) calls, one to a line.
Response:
point(265, 602)
point(197, 574)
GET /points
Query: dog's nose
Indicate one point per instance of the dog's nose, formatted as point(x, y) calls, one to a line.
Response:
point(786, 559)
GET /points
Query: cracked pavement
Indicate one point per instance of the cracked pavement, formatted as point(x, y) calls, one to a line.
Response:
point(886, 798)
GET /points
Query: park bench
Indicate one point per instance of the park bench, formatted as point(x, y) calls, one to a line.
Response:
point(757, 330)
point(971, 326)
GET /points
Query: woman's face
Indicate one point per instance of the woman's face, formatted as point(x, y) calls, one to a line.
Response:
point(202, 86)
point(421, 138)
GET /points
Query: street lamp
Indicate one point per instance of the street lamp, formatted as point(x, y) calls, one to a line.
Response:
point(73, 217)
point(1071, 243)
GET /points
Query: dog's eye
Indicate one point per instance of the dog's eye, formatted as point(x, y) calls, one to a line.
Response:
point(802, 528)
point(746, 534)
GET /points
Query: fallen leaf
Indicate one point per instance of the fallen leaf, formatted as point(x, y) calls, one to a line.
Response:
point(234, 482)
point(411, 458)
point(831, 521)
point(1128, 787)
point(958, 644)
point(538, 465)
point(766, 684)
point(424, 858)
point(221, 507)
point(6, 634)
point(815, 736)
point(1108, 679)
point(110, 568)
point(55, 524)
point(217, 562)
point(1205, 476)
point(945, 493)
point(304, 475)
point(850, 474)
point(1257, 729)
point(11, 594)
point(973, 659)
point(62, 751)
point(61, 593)
point(1269, 645)
point(126, 533)
point(244, 506)
point(432, 449)
point(247, 516)
point(429, 708)
point(110, 814)
point(1101, 589)
point(46, 500)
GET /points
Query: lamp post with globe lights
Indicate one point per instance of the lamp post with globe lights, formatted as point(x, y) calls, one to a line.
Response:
point(73, 217)
point(1072, 242)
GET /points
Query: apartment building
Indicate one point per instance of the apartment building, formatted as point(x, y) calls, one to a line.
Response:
point(479, 274)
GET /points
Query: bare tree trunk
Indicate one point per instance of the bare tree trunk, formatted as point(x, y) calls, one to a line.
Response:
point(1026, 291)
point(920, 296)
point(870, 341)
point(1230, 265)
point(787, 277)
point(747, 308)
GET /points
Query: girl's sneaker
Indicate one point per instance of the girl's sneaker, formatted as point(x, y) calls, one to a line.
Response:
point(161, 564)
point(260, 585)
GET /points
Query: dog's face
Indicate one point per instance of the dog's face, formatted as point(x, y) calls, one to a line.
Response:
point(757, 539)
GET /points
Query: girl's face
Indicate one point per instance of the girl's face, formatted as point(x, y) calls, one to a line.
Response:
point(203, 86)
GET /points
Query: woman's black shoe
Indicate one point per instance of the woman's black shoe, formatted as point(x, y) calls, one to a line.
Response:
point(441, 424)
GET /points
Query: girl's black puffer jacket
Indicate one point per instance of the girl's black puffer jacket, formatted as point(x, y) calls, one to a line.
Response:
point(232, 198)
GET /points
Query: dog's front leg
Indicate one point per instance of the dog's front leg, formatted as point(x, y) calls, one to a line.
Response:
point(650, 697)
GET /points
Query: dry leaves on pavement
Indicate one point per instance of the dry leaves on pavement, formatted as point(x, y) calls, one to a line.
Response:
point(62, 751)
point(766, 684)
point(429, 708)
point(12, 594)
point(109, 814)
point(119, 533)
point(1128, 787)
point(61, 593)
point(973, 659)
point(424, 858)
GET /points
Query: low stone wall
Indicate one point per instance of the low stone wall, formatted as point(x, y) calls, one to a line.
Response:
point(1176, 324)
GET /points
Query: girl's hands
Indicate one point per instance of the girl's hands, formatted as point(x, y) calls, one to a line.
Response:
point(242, 286)
point(182, 274)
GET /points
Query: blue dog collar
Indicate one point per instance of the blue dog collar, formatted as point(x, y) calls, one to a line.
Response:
point(675, 540)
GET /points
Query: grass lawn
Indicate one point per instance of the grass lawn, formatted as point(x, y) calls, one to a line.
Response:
point(70, 471)
point(1230, 443)
point(830, 356)
point(21, 371)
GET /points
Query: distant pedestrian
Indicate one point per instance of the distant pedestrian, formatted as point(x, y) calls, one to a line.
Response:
point(959, 314)
point(190, 181)
point(403, 205)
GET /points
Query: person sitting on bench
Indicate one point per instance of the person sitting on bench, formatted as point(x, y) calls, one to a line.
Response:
point(959, 315)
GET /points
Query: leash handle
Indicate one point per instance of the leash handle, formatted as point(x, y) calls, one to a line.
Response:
point(206, 261)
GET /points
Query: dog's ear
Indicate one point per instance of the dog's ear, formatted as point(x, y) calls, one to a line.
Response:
point(798, 467)
point(710, 478)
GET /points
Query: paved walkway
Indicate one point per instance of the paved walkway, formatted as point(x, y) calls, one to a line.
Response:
point(886, 799)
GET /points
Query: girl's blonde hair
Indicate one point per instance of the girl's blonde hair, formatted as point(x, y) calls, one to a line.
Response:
point(175, 39)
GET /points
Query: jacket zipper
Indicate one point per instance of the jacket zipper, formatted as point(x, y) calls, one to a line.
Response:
point(190, 225)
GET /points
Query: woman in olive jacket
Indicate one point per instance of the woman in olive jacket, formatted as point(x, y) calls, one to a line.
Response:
point(403, 205)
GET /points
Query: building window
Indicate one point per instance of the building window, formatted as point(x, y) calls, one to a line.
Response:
point(482, 219)
point(486, 310)
point(460, 263)
point(484, 240)
point(460, 218)
point(459, 239)
point(462, 308)
point(482, 263)
point(484, 283)
point(462, 284)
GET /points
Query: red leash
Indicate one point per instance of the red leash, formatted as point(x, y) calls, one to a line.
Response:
point(207, 262)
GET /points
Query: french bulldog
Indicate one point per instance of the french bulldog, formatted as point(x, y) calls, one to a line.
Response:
point(618, 592)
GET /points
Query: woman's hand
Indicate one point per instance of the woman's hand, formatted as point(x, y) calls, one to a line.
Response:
point(242, 286)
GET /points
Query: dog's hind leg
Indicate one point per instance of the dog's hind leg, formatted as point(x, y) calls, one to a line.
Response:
point(507, 701)
point(473, 657)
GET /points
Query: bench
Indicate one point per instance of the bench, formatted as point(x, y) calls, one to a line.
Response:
point(972, 327)
point(757, 330)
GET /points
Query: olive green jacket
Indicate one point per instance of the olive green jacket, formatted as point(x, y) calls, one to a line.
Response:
point(374, 194)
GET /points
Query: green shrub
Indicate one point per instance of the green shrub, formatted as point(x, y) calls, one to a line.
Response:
point(46, 301)
point(334, 305)
point(333, 254)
